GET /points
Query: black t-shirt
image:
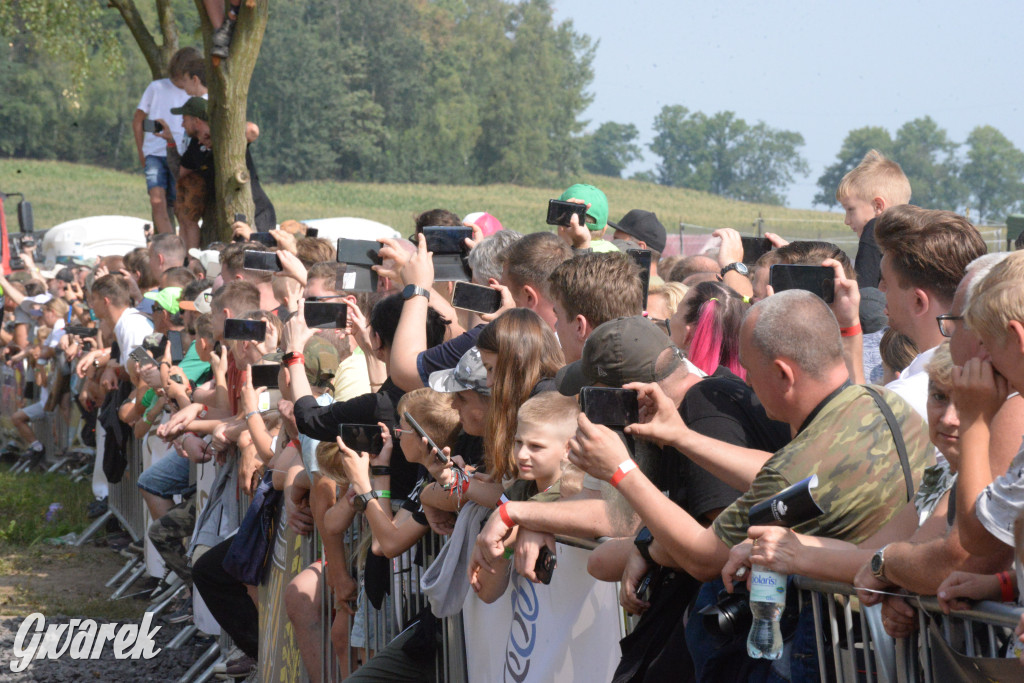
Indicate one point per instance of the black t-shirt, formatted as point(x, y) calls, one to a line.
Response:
point(322, 422)
point(200, 160)
point(869, 258)
point(471, 448)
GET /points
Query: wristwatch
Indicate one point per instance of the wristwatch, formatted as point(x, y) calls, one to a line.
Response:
point(738, 266)
point(360, 501)
point(643, 542)
point(878, 563)
point(413, 290)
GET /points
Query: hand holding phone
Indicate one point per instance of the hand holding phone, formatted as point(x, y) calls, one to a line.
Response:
point(438, 451)
point(609, 406)
point(476, 298)
point(560, 212)
point(246, 330)
point(261, 260)
point(362, 438)
point(545, 567)
point(819, 280)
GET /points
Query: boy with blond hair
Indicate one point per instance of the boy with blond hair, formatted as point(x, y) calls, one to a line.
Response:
point(876, 184)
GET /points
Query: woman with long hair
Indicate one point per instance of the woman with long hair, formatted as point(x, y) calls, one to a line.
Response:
point(519, 350)
point(707, 327)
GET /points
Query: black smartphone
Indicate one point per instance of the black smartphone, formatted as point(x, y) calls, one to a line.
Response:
point(362, 438)
point(247, 330)
point(560, 213)
point(438, 453)
point(261, 260)
point(358, 252)
point(642, 257)
point(325, 315)
point(312, 232)
point(240, 218)
point(477, 298)
point(443, 239)
point(173, 338)
point(754, 248)
point(142, 357)
point(264, 238)
point(545, 567)
point(265, 375)
point(644, 586)
point(80, 330)
point(151, 126)
point(818, 280)
point(610, 407)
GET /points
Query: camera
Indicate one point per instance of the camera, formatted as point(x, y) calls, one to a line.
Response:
point(729, 616)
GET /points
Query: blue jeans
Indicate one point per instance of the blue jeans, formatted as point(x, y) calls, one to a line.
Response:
point(167, 477)
point(159, 175)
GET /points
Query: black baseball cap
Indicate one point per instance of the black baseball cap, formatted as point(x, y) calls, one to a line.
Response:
point(618, 352)
point(645, 226)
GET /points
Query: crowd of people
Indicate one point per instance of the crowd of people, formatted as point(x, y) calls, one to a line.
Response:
point(421, 418)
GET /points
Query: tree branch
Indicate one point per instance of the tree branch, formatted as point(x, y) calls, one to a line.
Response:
point(168, 26)
point(150, 50)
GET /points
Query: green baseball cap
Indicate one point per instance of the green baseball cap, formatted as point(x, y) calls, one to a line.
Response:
point(167, 298)
point(598, 203)
point(194, 106)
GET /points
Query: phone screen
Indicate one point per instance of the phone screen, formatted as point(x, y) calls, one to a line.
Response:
point(312, 232)
point(476, 298)
point(446, 240)
point(249, 330)
point(610, 407)
point(261, 260)
point(326, 315)
point(642, 257)
point(177, 352)
point(818, 280)
point(358, 252)
point(754, 248)
point(560, 213)
point(362, 438)
point(265, 375)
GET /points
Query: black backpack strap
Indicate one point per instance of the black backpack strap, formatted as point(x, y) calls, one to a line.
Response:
point(897, 437)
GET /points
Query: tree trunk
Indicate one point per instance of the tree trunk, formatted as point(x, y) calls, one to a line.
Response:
point(228, 84)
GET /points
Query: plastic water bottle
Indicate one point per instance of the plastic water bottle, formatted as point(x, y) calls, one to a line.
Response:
point(767, 600)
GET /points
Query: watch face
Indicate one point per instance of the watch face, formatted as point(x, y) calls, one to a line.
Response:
point(740, 268)
point(876, 563)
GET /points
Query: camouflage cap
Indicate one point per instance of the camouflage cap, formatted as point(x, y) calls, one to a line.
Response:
point(321, 362)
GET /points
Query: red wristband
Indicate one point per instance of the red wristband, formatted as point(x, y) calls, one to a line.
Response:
point(295, 360)
point(1005, 586)
point(850, 331)
point(503, 513)
point(624, 468)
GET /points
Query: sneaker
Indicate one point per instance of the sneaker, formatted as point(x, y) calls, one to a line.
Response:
point(97, 508)
point(241, 667)
point(222, 39)
point(133, 550)
point(222, 666)
point(182, 614)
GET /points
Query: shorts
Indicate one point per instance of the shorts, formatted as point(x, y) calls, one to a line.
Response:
point(167, 477)
point(159, 175)
point(35, 411)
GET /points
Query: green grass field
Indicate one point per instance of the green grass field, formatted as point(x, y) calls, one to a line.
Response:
point(62, 191)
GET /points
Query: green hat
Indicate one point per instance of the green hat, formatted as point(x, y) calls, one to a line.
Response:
point(321, 361)
point(194, 106)
point(598, 203)
point(167, 298)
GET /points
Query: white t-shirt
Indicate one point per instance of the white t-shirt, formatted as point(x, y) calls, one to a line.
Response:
point(158, 100)
point(912, 386)
point(53, 339)
point(131, 330)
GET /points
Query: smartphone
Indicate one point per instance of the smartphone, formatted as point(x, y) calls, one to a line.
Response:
point(248, 330)
point(240, 218)
point(325, 315)
point(142, 357)
point(265, 375)
point(358, 252)
point(177, 352)
point(264, 238)
point(642, 257)
point(362, 438)
point(446, 239)
point(818, 280)
point(545, 567)
point(610, 407)
point(80, 330)
point(644, 586)
point(560, 213)
point(261, 260)
point(438, 453)
point(754, 248)
point(476, 298)
point(151, 126)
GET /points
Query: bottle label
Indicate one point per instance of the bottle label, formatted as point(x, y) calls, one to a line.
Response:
point(767, 586)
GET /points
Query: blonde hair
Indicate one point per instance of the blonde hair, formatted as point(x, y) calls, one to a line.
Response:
point(58, 306)
point(433, 411)
point(998, 299)
point(875, 176)
point(940, 367)
point(328, 456)
point(673, 293)
point(552, 409)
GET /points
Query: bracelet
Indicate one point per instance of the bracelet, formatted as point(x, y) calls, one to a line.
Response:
point(384, 493)
point(204, 410)
point(145, 418)
point(851, 331)
point(624, 468)
point(380, 471)
point(505, 517)
point(295, 359)
point(1005, 586)
point(250, 414)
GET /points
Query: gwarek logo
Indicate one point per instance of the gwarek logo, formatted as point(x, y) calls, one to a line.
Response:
point(779, 509)
point(82, 639)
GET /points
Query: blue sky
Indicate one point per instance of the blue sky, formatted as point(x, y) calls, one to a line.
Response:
point(818, 68)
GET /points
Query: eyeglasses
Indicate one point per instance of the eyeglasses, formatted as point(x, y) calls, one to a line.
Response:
point(663, 324)
point(944, 329)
